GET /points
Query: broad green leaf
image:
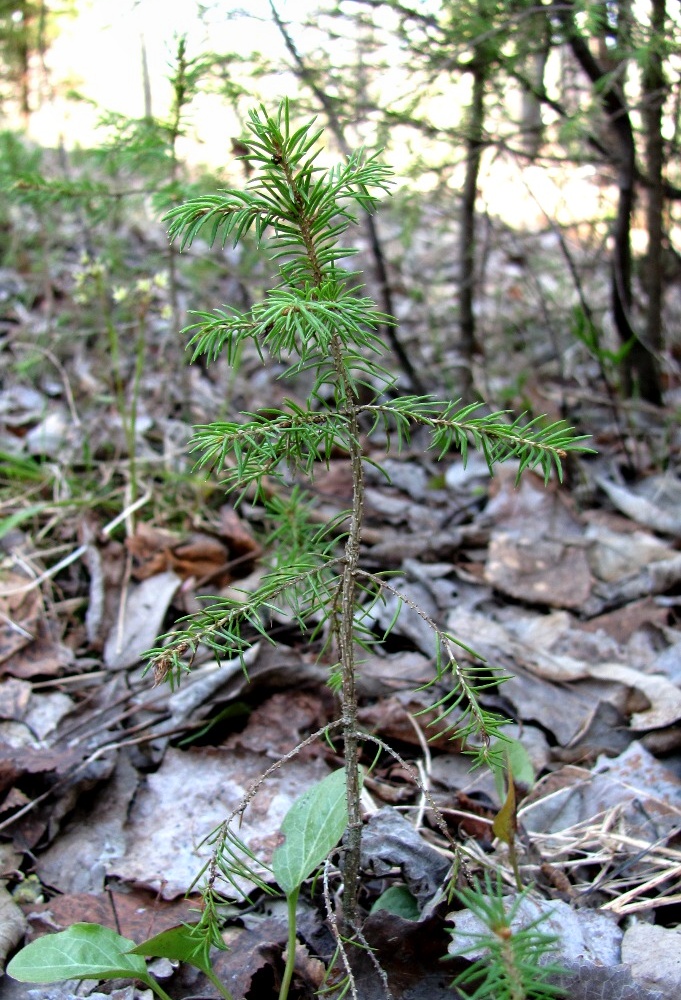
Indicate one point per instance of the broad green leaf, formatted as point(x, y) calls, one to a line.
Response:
point(506, 821)
point(83, 951)
point(183, 944)
point(522, 770)
point(180, 943)
point(312, 827)
point(398, 900)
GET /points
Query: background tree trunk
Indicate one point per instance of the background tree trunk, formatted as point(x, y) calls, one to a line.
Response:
point(640, 374)
point(654, 93)
point(467, 246)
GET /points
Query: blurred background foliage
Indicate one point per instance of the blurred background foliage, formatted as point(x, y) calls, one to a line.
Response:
point(536, 147)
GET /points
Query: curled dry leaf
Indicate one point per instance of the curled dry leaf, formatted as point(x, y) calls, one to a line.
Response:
point(199, 556)
point(657, 510)
point(664, 697)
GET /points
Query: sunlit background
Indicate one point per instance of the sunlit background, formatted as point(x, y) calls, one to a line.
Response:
point(117, 56)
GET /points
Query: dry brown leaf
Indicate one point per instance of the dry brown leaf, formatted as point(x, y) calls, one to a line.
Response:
point(75, 862)
point(107, 566)
point(14, 698)
point(148, 541)
point(664, 697)
point(250, 949)
point(12, 925)
point(621, 623)
point(654, 954)
point(645, 794)
point(539, 570)
point(46, 656)
point(19, 610)
point(135, 914)
point(537, 550)
point(272, 727)
point(616, 554)
point(199, 556)
point(654, 503)
point(237, 534)
point(145, 609)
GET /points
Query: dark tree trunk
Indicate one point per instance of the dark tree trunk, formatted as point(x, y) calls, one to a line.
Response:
point(24, 64)
point(654, 92)
point(467, 246)
point(640, 370)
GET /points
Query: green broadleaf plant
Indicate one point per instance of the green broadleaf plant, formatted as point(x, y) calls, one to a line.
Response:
point(312, 827)
point(82, 951)
point(186, 943)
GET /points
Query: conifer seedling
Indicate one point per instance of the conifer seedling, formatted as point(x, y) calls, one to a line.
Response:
point(314, 322)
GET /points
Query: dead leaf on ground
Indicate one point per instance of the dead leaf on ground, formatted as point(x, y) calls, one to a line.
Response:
point(12, 926)
point(251, 949)
point(538, 570)
point(158, 551)
point(411, 954)
point(621, 623)
point(145, 608)
point(654, 954)
point(45, 656)
point(236, 533)
point(584, 937)
point(395, 547)
point(556, 648)
point(190, 794)
point(615, 554)
point(134, 913)
point(390, 841)
point(106, 566)
point(664, 697)
point(536, 551)
point(76, 861)
point(19, 611)
point(654, 502)
point(398, 614)
point(276, 724)
point(405, 715)
point(198, 556)
point(27, 771)
point(647, 794)
point(14, 698)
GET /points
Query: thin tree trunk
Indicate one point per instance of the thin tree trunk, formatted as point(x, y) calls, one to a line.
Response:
point(640, 370)
point(654, 92)
point(24, 63)
point(468, 229)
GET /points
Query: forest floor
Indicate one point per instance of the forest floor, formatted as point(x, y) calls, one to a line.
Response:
point(110, 785)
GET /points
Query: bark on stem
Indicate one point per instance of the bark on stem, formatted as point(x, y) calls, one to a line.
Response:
point(347, 403)
point(347, 648)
